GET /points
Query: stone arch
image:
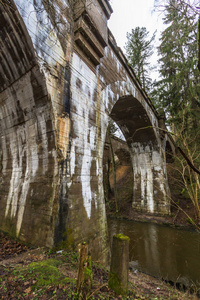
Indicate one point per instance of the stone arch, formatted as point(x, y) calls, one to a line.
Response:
point(139, 127)
point(130, 94)
point(133, 120)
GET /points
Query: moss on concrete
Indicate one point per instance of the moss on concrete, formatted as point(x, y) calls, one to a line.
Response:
point(115, 284)
point(122, 237)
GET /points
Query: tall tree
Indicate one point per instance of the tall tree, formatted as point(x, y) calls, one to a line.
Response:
point(139, 49)
point(199, 43)
point(179, 89)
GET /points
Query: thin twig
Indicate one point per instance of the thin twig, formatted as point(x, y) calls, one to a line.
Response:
point(96, 290)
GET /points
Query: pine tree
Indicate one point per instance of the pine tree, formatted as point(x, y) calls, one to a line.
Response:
point(179, 89)
point(139, 49)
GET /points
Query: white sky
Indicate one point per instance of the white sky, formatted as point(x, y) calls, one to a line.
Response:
point(128, 14)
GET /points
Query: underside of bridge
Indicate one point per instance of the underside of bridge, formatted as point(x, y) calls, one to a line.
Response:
point(62, 77)
point(141, 137)
point(133, 120)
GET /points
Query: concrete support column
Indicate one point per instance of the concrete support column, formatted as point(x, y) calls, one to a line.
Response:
point(87, 216)
point(151, 191)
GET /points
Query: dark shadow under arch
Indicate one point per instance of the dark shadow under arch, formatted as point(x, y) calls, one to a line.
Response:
point(123, 156)
point(133, 120)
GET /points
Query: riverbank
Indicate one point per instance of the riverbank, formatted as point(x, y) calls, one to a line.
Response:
point(155, 219)
point(182, 215)
point(27, 273)
point(182, 210)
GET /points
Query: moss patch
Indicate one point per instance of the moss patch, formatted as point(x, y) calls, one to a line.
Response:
point(122, 237)
point(115, 284)
point(45, 273)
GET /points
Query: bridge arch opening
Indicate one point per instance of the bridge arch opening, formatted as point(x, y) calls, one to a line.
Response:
point(117, 172)
point(147, 179)
point(131, 117)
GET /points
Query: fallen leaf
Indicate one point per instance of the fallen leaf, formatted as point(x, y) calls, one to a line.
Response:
point(28, 290)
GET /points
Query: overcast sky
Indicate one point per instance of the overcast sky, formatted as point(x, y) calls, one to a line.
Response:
point(128, 14)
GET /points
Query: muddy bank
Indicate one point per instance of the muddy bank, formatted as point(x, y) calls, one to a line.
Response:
point(162, 220)
point(182, 215)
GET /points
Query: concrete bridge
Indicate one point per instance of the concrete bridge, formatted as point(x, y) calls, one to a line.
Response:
point(61, 77)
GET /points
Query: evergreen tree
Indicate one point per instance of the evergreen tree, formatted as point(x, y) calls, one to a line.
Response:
point(179, 89)
point(139, 49)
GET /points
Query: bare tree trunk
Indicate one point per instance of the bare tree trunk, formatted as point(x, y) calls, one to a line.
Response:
point(199, 44)
point(107, 188)
point(114, 174)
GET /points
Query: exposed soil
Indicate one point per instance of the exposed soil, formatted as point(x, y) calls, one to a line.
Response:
point(39, 274)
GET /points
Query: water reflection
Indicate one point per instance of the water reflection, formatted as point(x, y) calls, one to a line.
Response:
point(162, 251)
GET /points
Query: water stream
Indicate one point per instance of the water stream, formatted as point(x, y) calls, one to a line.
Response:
point(161, 251)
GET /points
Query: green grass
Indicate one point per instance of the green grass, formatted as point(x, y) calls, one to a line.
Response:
point(45, 273)
point(44, 277)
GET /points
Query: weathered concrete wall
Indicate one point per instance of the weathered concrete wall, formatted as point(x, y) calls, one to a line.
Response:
point(86, 197)
point(34, 108)
point(62, 77)
point(28, 147)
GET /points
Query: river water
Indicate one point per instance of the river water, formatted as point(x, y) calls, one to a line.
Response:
point(161, 251)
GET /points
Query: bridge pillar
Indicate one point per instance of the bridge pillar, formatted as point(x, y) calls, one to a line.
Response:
point(151, 193)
